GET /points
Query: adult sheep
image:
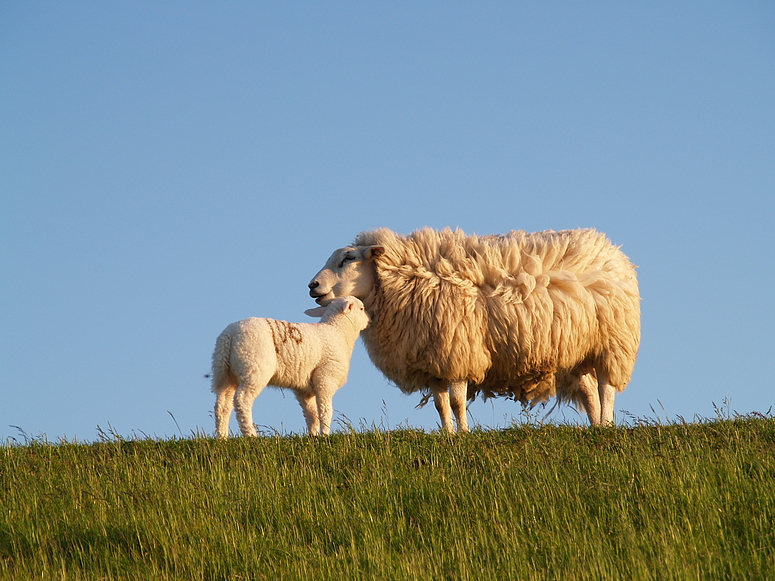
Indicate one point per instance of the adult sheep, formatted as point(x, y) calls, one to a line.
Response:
point(522, 315)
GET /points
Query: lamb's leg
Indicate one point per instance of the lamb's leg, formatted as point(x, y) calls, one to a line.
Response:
point(458, 390)
point(224, 403)
point(607, 393)
point(441, 401)
point(309, 407)
point(590, 398)
point(246, 394)
point(325, 410)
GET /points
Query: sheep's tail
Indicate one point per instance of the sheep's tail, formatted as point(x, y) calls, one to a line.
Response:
point(221, 356)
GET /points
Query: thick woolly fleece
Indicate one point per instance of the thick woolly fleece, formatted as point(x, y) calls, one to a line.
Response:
point(521, 315)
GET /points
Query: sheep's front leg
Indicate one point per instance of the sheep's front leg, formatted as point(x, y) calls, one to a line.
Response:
point(325, 402)
point(458, 391)
point(308, 404)
point(441, 401)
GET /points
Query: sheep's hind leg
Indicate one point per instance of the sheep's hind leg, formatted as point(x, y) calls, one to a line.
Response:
point(607, 393)
point(441, 401)
point(309, 407)
point(590, 398)
point(224, 403)
point(458, 390)
point(243, 406)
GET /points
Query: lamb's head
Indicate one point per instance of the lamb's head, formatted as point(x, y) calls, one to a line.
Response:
point(348, 272)
point(343, 306)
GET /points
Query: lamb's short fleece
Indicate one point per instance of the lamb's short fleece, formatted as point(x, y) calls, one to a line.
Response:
point(312, 359)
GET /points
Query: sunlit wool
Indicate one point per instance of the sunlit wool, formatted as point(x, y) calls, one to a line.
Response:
point(524, 315)
point(312, 359)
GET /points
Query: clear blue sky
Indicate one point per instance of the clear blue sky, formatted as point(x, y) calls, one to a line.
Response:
point(167, 168)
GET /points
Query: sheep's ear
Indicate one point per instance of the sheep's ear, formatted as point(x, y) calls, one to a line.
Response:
point(316, 312)
point(373, 252)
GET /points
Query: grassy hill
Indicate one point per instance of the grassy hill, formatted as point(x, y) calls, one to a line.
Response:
point(679, 501)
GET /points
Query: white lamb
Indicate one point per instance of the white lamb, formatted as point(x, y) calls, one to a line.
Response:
point(312, 359)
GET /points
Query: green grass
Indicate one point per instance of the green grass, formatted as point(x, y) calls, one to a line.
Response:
point(678, 501)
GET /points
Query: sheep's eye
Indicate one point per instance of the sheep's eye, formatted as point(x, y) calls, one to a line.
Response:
point(347, 258)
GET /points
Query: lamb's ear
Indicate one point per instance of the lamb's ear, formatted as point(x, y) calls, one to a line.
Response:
point(316, 312)
point(373, 252)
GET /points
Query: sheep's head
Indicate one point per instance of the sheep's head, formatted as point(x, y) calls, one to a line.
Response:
point(348, 306)
point(348, 272)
